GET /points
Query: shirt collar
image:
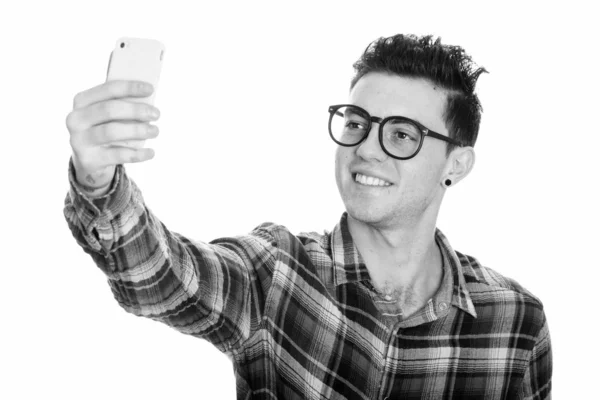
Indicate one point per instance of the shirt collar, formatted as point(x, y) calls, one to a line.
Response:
point(461, 297)
point(348, 263)
point(350, 267)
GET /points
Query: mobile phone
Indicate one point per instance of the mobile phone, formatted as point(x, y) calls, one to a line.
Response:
point(137, 59)
point(140, 60)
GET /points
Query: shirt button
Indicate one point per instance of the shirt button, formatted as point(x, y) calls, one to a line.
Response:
point(443, 306)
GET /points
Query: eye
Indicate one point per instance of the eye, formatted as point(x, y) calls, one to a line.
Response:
point(354, 125)
point(401, 131)
point(400, 135)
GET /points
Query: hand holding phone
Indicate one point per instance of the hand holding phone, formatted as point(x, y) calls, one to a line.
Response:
point(109, 123)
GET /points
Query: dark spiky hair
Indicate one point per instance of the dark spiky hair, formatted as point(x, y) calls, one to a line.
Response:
point(448, 67)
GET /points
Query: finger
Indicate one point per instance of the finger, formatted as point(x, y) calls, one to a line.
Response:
point(132, 144)
point(112, 90)
point(112, 132)
point(125, 155)
point(111, 110)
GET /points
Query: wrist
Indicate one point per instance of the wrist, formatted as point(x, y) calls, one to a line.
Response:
point(88, 183)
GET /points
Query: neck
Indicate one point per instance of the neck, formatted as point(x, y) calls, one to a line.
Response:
point(404, 254)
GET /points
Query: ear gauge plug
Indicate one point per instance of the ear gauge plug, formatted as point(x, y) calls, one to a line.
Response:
point(448, 182)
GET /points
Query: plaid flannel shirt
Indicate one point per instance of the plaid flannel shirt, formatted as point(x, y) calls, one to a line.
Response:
point(296, 315)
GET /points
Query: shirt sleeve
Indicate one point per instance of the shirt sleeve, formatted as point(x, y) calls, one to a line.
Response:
point(537, 382)
point(214, 290)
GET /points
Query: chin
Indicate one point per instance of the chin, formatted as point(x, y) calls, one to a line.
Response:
point(368, 213)
point(364, 208)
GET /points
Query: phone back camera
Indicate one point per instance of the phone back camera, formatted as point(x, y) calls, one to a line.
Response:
point(122, 44)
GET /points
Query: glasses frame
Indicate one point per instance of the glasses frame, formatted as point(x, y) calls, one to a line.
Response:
point(334, 110)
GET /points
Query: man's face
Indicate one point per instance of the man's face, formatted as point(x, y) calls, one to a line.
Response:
point(414, 184)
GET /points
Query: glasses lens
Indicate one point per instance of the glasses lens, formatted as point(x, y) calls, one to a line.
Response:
point(348, 125)
point(401, 138)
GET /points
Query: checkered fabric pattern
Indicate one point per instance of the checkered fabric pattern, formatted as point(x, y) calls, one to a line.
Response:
point(297, 315)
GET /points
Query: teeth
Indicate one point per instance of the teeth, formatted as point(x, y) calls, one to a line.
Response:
point(370, 181)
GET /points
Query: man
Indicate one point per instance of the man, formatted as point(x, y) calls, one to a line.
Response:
point(381, 307)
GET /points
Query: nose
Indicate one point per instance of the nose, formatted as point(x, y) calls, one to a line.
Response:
point(371, 149)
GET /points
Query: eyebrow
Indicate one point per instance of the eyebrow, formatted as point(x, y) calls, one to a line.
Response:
point(391, 117)
point(353, 112)
point(350, 111)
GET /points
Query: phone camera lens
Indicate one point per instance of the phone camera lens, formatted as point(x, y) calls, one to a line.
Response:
point(122, 44)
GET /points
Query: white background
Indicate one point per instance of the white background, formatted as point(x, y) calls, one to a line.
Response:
point(243, 95)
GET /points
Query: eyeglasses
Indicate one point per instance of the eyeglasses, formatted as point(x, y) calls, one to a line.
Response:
point(400, 137)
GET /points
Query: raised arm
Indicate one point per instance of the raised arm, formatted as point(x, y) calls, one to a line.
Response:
point(215, 291)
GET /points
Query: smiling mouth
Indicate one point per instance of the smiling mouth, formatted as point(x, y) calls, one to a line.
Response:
point(370, 180)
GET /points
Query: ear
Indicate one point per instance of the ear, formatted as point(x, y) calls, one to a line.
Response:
point(460, 163)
